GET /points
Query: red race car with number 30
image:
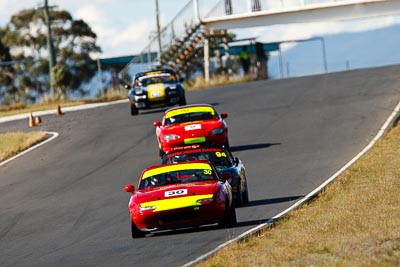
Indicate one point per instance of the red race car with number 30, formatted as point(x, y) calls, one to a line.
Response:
point(191, 124)
point(172, 196)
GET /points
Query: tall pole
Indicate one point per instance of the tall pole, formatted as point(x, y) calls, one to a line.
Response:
point(158, 33)
point(50, 48)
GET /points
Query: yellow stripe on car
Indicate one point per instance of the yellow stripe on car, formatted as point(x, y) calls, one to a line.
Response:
point(175, 203)
point(189, 110)
point(172, 168)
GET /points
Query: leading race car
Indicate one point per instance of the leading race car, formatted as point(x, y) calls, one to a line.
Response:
point(156, 88)
point(172, 196)
point(222, 158)
point(191, 124)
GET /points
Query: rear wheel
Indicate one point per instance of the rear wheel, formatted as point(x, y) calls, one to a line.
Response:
point(134, 110)
point(136, 233)
point(246, 194)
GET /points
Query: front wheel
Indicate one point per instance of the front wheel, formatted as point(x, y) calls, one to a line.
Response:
point(182, 101)
point(134, 110)
point(229, 219)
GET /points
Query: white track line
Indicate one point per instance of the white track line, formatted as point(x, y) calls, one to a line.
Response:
point(54, 135)
point(312, 194)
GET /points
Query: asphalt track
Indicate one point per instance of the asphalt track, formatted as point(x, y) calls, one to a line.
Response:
point(63, 204)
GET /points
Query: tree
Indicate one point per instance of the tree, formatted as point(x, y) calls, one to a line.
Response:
point(73, 41)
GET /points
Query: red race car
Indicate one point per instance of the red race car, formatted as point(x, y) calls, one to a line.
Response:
point(191, 124)
point(172, 196)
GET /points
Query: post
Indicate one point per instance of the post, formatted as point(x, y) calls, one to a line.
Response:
point(158, 32)
point(100, 76)
point(280, 61)
point(196, 11)
point(206, 60)
point(324, 54)
point(50, 47)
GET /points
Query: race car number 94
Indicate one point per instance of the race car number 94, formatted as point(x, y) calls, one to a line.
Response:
point(175, 193)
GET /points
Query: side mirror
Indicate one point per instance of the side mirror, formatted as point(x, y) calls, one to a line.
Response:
point(127, 87)
point(157, 123)
point(224, 115)
point(129, 188)
point(226, 175)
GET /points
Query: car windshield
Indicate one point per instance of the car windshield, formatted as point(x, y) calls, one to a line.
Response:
point(176, 177)
point(153, 79)
point(188, 117)
point(218, 157)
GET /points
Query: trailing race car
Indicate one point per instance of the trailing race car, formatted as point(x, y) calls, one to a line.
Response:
point(222, 158)
point(191, 124)
point(173, 196)
point(153, 89)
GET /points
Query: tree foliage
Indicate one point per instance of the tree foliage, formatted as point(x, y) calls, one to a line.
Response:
point(25, 40)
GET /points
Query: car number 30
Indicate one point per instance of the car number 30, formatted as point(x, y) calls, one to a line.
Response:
point(175, 193)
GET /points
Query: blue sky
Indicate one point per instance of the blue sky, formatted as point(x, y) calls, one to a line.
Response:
point(123, 26)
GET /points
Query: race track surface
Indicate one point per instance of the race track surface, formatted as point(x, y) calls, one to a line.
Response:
point(63, 204)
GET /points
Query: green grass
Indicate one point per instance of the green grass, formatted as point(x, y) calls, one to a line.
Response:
point(354, 222)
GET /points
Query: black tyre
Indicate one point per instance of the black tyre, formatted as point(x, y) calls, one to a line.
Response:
point(246, 195)
point(136, 233)
point(239, 196)
point(229, 219)
point(134, 110)
point(160, 152)
point(182, 102)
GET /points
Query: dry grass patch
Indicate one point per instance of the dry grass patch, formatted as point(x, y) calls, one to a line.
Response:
point(217, 80)
point(13, 143)
point(52, 104)
point(354, 222)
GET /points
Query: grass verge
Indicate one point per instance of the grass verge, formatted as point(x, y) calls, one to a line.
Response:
point(354, 222)
point(14, 143)
point(48, 105)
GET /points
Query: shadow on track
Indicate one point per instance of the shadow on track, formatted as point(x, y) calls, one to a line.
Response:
point(261, 202)
point(251, 147)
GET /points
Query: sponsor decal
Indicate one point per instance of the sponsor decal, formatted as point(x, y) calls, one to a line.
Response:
point(178, 167)
point(189, 110)
point(192, 127)
point(176, 203)
point(195, 140)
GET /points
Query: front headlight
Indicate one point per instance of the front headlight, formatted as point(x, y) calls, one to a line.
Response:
point(217, 131)
point(169, 137)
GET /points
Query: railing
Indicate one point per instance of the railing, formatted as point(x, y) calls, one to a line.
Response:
point(170, 34)
point(176, 30)
point(238, 7)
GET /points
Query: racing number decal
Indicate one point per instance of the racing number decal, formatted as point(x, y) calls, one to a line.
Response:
point(175, 193)
point(207, 172)
point(220, 154)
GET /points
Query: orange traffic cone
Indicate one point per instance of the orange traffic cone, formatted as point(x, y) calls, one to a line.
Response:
point(31, 121)
point(38, 120)
point(58, 111)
